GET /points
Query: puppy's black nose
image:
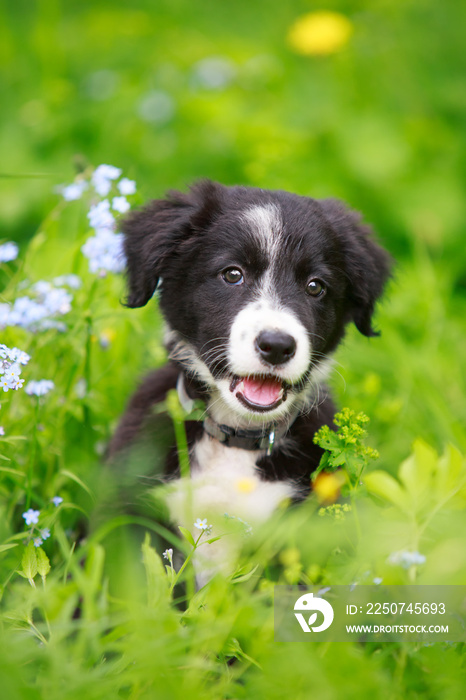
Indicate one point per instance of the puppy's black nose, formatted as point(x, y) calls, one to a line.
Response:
point(275, 347)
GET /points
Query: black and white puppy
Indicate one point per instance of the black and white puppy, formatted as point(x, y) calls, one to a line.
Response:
point(256, 288)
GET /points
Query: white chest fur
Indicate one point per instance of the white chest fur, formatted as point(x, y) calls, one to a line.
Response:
point(224, 480)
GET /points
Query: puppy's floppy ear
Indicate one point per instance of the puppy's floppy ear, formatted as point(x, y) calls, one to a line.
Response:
point(153, 234)
point(367, 265)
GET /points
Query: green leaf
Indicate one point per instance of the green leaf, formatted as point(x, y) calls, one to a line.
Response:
point(13, 472)
point(417, 471)
point(78, 481)
point(233, 649)
point(354, 463)
point(187, 535)
point(29, 562)
point(4, 547)
point(156, 574)
point(451, 472)
point(384, 485)
point(345, 448)
point(94, 568)
point(244, 577)
point(43, 563)
point(177, 415)
point(338, 459)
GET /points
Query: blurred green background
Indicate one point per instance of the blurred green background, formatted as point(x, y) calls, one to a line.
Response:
point(367, 104)
point(172, 90)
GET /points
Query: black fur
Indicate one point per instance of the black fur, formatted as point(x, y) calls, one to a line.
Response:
point(188, 239)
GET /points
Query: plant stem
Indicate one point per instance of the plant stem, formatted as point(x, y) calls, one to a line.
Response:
point(177, 415)
point(184, 565)
point(32, 460)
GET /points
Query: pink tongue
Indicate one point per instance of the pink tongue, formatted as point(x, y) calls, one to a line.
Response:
point(262, 392)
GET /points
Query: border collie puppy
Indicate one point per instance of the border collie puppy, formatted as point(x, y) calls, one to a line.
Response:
point(256, 288)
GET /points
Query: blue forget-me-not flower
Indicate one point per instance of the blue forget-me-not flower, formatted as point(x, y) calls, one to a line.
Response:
point(8, 252)
point(31, 516)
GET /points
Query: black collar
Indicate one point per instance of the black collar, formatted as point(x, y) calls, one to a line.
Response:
point(241, 438)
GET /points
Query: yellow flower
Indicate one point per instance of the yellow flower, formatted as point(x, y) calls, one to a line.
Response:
point(327, 486)
point(320, 33)
point(246, 485)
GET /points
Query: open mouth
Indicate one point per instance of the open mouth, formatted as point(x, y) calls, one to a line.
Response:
point(259, 392)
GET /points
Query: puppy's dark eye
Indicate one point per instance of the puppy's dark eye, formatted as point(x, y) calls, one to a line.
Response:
point(315, 288)
point(233, 276)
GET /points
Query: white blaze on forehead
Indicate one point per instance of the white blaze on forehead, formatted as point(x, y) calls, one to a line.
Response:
point(267, 312)
point(266, 225)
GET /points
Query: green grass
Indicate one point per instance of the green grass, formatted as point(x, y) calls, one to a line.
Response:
point(379, 124)
point(139, 635)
